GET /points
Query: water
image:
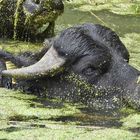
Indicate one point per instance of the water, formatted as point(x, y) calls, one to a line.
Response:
point(27, 116)
point(122, 24)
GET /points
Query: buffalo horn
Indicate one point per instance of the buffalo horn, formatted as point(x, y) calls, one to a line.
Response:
point(51, 62)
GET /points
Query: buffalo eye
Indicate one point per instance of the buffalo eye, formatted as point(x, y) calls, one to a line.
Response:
point(88, 71)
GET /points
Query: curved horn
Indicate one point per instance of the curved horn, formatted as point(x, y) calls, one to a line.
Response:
point(50, 62)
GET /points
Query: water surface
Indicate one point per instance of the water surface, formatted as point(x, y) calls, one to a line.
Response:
point(29, 117)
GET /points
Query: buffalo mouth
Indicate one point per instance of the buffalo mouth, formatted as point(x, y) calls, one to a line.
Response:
point(50, 63)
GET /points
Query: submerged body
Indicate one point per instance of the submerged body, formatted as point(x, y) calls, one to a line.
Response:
point(86, 63)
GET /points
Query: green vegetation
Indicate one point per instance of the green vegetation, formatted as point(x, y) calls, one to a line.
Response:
point(25, 117)
point(29, 117)
point(17, 47)
point(121, 7)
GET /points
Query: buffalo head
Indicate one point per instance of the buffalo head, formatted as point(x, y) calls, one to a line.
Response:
point(40, 12)
point(92, 65)
point(29, 19)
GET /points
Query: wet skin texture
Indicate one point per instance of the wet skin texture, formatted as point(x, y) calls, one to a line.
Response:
point(96, 71)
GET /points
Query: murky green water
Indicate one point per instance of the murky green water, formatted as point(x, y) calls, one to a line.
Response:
point(122, 24)
point(28, 117)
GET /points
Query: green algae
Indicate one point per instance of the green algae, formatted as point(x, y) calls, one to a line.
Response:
point(73, 16)
point(19, 119)
point(24, 116)
point(19, 107)
point(69, 133)
point(131, 121)
point(121, 7)
point(81, 84)
point(17, 47)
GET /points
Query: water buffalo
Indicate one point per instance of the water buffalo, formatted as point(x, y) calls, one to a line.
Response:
point(29, 19)
point(86, 63)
